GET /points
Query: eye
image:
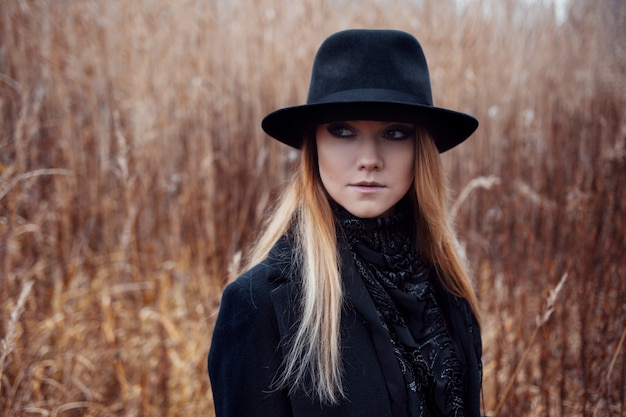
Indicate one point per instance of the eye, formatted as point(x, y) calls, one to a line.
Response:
point(399, 132)
point(340, 130)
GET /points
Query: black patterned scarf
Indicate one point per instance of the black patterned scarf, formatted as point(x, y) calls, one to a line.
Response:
point(399, 283)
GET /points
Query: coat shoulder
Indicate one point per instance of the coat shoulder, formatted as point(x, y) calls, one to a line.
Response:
point(267, 275)
point(245, 350)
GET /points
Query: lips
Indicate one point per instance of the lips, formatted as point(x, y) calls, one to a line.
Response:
point(372, 184)
point(368, 187)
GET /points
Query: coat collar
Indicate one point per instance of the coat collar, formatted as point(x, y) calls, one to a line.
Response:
point(364, 377)
point(356, 330)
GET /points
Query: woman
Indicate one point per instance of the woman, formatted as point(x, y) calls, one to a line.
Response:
point(356, 300)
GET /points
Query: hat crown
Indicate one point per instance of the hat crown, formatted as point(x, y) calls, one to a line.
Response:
point(370, 74)
point(352, 61)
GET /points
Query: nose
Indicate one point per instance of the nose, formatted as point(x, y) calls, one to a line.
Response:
point(369, 156)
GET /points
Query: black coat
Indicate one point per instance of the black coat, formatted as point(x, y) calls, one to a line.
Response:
point(257, 316)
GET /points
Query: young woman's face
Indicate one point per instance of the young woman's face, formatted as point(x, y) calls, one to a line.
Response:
point(366, 166)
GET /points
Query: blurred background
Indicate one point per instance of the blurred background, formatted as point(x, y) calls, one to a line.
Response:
point(134, 175)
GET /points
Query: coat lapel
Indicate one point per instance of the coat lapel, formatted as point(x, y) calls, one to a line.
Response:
point(363, 377)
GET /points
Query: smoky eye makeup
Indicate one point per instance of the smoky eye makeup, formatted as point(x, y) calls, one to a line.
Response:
point(340, 130)
point(391, 131)
point(399, 132)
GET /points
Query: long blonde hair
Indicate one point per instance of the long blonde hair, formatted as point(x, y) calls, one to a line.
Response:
point(313, 363)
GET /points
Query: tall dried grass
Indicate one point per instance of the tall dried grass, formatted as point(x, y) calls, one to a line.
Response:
point(133, 172)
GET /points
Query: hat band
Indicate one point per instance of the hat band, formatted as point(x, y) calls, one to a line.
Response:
point(371, 95)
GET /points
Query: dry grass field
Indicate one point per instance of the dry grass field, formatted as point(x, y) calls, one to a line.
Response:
point(134, 174)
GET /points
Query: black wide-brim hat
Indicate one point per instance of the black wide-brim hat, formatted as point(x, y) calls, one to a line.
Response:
point(363, 74)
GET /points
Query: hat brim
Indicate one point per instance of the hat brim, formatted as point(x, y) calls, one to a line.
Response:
point(448, 127)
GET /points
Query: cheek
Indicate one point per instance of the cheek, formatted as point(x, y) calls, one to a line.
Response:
point(326, 170)
point(331, 178)
point(405, 164)
point(323, 163)
point(331, 161)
